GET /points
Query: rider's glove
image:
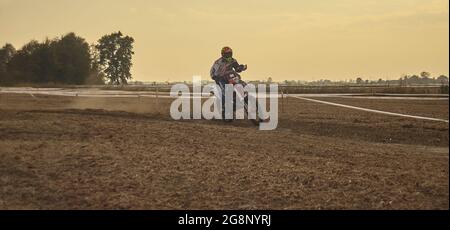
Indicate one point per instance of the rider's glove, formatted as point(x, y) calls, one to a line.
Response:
point(241, 68)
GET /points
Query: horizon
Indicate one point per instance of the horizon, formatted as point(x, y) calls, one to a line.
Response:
point(305, 41)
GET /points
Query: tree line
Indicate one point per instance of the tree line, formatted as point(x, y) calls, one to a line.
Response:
point(424, 78)
point(68, 60)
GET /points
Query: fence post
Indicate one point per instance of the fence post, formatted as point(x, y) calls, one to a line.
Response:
point(287, 96)
point(157, 98)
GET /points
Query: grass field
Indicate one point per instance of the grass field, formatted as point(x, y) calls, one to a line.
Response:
point(126, 153)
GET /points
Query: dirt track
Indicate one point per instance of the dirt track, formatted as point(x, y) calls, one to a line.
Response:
point(122, 153)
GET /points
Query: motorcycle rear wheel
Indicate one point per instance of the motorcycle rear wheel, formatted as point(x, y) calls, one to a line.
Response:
point(256, 121)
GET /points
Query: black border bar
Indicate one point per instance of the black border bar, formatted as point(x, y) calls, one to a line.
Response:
point(278, 218)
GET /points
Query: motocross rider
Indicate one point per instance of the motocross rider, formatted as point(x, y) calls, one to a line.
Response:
point(221, 70)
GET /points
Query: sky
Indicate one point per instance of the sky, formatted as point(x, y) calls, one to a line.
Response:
point(283, 39)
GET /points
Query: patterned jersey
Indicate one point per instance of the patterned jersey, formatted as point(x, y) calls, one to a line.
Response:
point(221, 68)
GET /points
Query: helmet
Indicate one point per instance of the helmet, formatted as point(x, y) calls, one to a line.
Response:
point(227, 52)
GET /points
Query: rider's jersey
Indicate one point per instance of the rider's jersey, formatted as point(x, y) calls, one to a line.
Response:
point(221, 68)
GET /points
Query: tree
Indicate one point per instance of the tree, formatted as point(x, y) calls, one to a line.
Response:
point(405, 79)
point(23, 66)
point(115, 54)
point(64, 61)
point(442, 79)
point(96, 76)
point(414, 79)
point(73, 59)
point(6, 54)
point(359, 81)
point(269, 80)
point(425, 78)
point(425, 75)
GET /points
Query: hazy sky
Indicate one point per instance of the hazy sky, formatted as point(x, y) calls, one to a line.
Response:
point(284, 39)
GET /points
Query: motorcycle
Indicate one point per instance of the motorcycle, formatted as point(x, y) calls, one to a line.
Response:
point(240, 94)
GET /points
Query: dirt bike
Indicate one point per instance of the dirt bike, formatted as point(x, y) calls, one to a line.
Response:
point(234, 78)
